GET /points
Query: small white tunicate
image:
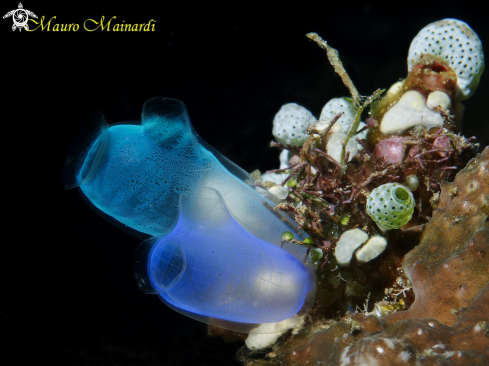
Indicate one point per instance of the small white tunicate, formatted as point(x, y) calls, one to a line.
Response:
point(412, 182)
point(410, 111)
point(260, 338)
point(372, 249)
point(394, 89)
point(284, 158)
point(439, 99)
point(344, 106)
point(279, 192)
point(348, 243)
point(335, 145)
point(274, 178)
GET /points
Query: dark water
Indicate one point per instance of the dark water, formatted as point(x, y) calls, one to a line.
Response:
point(67, 290)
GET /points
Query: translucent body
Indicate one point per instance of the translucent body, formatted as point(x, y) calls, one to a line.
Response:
point(210, 268)
point(216, 253)
point(135, 174)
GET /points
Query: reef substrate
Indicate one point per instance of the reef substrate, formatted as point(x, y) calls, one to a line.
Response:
point(448, 323)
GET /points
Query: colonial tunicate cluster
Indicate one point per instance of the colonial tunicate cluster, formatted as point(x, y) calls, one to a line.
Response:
point(445, 64)
point(454, 42)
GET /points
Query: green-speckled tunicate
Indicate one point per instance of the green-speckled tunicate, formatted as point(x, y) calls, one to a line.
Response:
point(391, 206)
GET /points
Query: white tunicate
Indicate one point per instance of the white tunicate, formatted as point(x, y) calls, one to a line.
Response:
point(439, 99)
point(265, 335)
point(284, 157)
point(344, 106)
point(279, 192)
point(335, 145)
point(348, 243)
point(412, 182)
point(410, 111)
point(372, 249)
point(341, 128)
point(394, 89)
point(290, 124)
point(454, 42)
point(274, 178)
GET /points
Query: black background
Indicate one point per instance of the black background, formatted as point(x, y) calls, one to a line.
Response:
point(67, 293)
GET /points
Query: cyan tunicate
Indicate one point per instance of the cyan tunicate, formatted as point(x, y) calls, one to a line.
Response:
point(137, 175)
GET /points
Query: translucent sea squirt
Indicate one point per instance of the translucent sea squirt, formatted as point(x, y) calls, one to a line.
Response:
point(159, 179)
point(213, 270)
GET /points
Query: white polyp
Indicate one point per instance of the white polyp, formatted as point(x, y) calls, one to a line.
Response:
point(348, 243)
point(290, 124)
point(412, 182)
point(279, 192)
point(372, 249)
point(439, 99)
point(410, 111)
point(454, 42)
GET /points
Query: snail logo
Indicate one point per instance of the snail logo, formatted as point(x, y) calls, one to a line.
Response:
point(20, 17)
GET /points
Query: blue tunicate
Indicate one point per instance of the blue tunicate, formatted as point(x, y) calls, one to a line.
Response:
point(211, 269)
point(136, 175)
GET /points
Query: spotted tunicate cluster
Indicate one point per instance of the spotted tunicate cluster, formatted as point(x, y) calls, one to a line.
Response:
point(391, 206)
point(454, 42)
point(290, 124)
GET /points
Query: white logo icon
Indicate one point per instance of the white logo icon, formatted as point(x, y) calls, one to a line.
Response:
point(20, 17)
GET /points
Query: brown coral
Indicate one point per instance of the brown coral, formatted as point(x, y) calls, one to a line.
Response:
point(449, 320)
